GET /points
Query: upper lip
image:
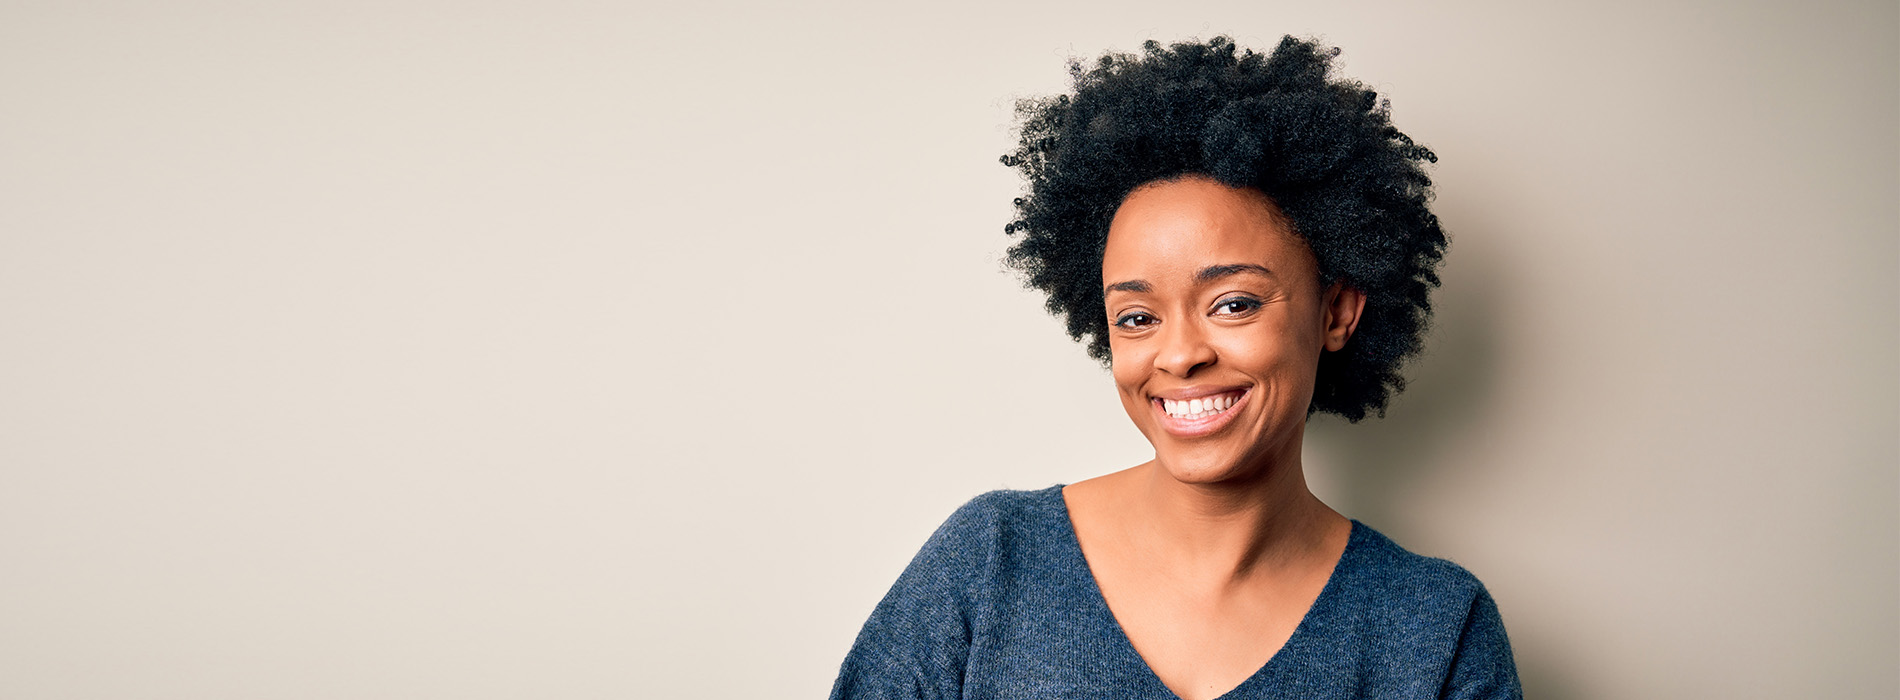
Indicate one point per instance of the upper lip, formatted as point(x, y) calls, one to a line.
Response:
point(1195, 392)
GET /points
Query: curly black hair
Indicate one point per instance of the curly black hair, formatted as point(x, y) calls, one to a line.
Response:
point(1323, 149)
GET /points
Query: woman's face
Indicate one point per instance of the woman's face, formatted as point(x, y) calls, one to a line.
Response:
point(1216, 323)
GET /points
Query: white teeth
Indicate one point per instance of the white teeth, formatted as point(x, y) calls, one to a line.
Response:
point(1199, 408)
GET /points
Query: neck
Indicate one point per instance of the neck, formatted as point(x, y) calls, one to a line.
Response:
point(1233, 529)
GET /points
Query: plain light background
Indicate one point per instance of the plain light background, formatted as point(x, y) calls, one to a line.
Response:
point(499, 349)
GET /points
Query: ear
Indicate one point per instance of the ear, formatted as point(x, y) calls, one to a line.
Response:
point(1344, 305)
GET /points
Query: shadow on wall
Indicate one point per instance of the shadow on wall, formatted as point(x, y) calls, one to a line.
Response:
point(1380, 465)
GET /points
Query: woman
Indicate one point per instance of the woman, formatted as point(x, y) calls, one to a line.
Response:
point(1246, 241)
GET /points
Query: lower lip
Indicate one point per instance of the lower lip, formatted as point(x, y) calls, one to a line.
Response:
point(1197, 427)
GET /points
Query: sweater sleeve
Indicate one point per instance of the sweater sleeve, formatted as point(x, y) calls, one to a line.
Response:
point(917, 642)
point(1482, 667)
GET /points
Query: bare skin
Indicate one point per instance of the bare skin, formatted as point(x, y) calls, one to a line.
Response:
point(1211, 554)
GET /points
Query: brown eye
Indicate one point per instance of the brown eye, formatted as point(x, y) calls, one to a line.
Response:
point(1134, 321)
point(1236, 306)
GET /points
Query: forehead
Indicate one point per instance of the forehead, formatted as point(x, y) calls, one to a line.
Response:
point(1176, 227)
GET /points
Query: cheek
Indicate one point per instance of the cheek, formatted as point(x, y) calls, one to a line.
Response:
point(1271, 350)
point(1124, 368)
point(1130, 369)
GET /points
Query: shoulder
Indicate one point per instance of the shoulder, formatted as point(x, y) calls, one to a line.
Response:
point(1414, 619)
point(1386, 584)
point(1005, 508)
point(998, 524)
point(917, 641)
point(1395, 570)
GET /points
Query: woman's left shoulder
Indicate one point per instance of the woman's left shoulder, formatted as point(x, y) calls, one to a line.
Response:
point(1380, 571)
point(1425, 614)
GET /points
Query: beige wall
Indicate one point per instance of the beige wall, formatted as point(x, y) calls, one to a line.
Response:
point(410, 349)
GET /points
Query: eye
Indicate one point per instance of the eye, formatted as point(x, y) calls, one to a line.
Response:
point(1134, 321)
point(1236, 306)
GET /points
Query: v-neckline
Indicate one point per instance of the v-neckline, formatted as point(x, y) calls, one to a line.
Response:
point(1300, 632)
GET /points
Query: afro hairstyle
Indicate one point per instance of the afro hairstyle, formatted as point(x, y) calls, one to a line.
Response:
point(1323, 149)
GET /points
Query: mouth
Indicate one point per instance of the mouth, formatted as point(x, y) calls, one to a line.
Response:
point(1200, 415)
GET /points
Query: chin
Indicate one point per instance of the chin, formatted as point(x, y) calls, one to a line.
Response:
point(1203, 469)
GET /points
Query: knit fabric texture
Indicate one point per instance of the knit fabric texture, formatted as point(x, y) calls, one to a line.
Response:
point(1000, 604)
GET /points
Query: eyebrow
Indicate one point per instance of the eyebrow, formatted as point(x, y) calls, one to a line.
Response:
point(1207, 274)
point(1214, 272)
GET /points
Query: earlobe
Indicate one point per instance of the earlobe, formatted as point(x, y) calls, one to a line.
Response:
point(1344, 306)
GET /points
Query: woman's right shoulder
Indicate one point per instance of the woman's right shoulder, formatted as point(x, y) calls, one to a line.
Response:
point(917, 640)
point(963, 561)
point(998, 517)
point(1008, 506)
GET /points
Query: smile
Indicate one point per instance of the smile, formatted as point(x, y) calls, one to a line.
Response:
point(1198, 416)
point(1195, 409)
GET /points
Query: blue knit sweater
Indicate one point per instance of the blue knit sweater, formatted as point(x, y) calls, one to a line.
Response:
point(1000, 604)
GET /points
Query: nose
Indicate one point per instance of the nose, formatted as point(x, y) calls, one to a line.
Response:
point(1184, 349)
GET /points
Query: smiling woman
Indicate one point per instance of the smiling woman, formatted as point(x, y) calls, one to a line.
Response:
point(1200, 317)
point(1246, 240)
